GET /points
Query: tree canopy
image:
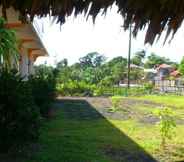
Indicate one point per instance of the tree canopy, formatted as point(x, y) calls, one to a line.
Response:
point(138, 58)
point(154, 60)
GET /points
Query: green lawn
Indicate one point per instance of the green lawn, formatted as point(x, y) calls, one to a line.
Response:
point(170, 100)
point(79, 133)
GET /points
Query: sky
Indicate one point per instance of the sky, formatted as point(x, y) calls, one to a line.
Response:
point(77, 37)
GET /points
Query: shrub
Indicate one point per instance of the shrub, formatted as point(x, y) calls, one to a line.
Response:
point(98, 91)
point(166, 124)
point(19, 116)
point(75, 88)
point(115, 100)
point(43, 89)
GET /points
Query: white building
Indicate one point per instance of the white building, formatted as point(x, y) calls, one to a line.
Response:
point(30, 47)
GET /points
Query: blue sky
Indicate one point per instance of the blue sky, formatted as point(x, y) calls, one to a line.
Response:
point(77, 37)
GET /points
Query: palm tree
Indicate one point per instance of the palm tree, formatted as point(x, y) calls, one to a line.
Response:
point(8, 47)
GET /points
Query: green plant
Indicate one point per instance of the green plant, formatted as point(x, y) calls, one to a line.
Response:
point(115, 100)
point(166, 124)
point(100, 90)
point(148, 87)
point(8, 47)
point(75, 88)
point(43, 88)
point(19, 116)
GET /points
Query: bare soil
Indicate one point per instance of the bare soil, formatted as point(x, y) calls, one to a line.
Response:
point(128, 109)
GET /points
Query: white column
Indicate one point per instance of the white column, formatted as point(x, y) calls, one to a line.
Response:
point(24, 71)
point(31, 66)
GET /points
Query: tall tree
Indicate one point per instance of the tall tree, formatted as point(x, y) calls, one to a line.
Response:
point(154, 60)
point(138, 58)
point(62, 63)
point(93, 59)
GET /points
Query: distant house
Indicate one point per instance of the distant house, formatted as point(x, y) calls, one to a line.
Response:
point(163, 81)
point(175, 74)
point(164, 71)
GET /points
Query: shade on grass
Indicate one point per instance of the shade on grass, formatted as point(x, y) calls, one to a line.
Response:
point(81, 134)
point(84, 131)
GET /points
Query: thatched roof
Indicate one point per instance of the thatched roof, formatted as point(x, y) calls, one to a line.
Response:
point(157, 14)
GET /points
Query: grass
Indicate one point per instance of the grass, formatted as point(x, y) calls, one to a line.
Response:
point(170, 100)
point(79, 133)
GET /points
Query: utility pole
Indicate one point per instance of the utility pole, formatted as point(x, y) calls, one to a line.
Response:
point(129, 55)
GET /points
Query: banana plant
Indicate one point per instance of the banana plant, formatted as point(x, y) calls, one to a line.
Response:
point(9, 54)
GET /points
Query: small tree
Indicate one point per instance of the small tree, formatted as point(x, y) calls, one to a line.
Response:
point(166, 124)
point(115, 100)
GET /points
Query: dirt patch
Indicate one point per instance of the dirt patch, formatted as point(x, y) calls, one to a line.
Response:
point(99, 106)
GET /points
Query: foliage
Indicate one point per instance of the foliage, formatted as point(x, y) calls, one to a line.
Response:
point(62, 63)
point(148, 87)
point(136, 75)
point(90, 72)
point(166, 123)
point(43, 88)
point(115, 100)
point(75, 88)
point(19, 116)
point(92, 75)
point(93, 59)
point(8, 47)
point(136, 91)
point(138, 58)
point(154, 60)
point(181, 66)
point(107, 81)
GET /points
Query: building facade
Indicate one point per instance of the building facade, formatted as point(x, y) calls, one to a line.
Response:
point(29, 42)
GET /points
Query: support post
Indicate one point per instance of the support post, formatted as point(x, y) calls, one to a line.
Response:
point(129, 55)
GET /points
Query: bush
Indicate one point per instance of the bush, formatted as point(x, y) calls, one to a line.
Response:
point(115, 100)
point(148, 87)
point(75, 88)
point(98, 91)
point(19, 116)
point(43, 89)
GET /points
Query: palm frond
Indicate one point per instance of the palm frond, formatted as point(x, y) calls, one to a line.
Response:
point(157, 14)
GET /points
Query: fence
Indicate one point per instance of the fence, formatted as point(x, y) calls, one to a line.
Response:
point(171, 86)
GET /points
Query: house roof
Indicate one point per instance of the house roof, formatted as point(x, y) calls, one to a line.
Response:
point(164, 66)
point(159, 15)
point(175, 73)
